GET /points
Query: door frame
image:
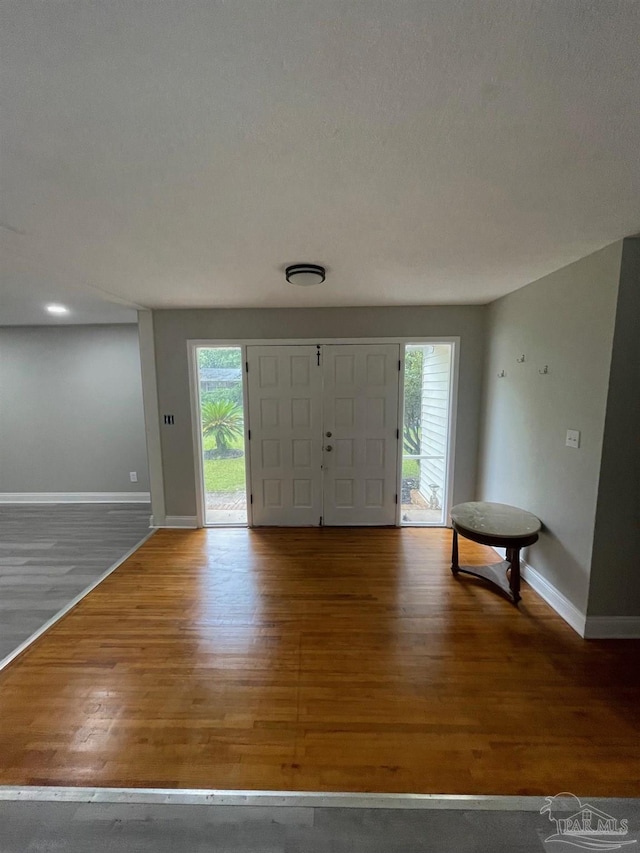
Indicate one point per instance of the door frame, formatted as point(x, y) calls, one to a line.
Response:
point(243, 343)
point(196, 432)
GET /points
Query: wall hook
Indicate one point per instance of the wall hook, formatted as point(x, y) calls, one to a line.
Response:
point(520, 358)
point(502, 374)
point(544, 370)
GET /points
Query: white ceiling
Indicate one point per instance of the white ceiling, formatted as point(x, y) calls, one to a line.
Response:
point(178, 154)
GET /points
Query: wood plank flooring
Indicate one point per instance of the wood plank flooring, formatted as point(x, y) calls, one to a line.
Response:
point(49, 553)
point(324, 660)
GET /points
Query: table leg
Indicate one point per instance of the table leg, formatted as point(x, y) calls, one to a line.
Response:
point(513, 557)
point(454, 553)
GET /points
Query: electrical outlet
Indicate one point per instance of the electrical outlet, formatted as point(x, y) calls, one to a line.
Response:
point(133, 476)
point(573, 438)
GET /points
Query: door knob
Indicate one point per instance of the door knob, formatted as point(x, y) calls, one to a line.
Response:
point(328, 447)
point(328, 434)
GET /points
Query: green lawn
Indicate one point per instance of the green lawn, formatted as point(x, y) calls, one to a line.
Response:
point(223, 475)
point(410, 468)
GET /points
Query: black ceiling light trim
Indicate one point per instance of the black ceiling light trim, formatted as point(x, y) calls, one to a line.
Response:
point(305, 274)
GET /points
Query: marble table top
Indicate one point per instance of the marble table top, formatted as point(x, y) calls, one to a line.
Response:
point(499, 520)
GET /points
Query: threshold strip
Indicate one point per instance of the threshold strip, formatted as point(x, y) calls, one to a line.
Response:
point(287, 799)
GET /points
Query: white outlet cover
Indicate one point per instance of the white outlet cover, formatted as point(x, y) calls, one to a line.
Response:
point(573, 438)
point(133, 476)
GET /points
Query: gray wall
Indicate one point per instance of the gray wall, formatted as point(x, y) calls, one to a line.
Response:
point(615, 568)
point(71, 416)
point(565, 320)
point(174, 328)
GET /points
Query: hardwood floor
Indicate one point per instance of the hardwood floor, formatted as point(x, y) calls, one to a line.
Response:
point(319, 659)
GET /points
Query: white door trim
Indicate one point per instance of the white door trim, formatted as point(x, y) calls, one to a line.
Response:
point(454, 368)
point(403, 353)
point(194, 400)
point(451, 413)
point(151, 408)
point(196, 434)
point(194, 343)
point(247, 427)
point(265, 342)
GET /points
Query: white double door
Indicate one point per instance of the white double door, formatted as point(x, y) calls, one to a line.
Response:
point(324, 434)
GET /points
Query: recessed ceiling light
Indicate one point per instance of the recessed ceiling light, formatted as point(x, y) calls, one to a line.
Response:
point(305, 274)
point(57, 309)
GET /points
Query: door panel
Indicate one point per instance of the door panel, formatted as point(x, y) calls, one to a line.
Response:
point(360, 410)
point(285, 418)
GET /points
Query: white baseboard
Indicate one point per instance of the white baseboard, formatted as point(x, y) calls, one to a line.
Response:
point(554, 598)
point(74, 497)
point(589, 627)
point(188, 521)
point(560, 603)
point(612, 628)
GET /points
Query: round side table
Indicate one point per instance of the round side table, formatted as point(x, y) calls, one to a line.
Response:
point(499, 525)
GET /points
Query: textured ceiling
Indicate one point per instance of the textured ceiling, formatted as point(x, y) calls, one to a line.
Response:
point(181, 153)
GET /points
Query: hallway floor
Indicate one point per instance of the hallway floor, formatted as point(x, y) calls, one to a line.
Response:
point(49, 553)
point(146, 825)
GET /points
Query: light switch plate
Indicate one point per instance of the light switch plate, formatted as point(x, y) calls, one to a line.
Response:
point(573, 438)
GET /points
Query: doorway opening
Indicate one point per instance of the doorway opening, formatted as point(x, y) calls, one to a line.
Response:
point(298, 434)
point(222, 419)
point(426, 433)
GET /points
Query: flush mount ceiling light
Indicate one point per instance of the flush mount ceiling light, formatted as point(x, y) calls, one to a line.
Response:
point(57, 309)
point(305, 274)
